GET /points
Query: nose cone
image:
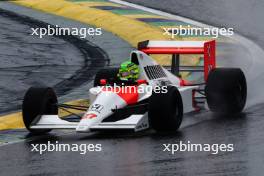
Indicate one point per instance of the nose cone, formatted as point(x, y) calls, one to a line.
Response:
point(86, 122)
point(100, 109)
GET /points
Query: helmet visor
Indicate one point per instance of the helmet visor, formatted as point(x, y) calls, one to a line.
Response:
point(124, 74)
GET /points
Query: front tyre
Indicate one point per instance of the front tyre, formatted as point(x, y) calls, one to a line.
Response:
point(37, 102)
point(226, 90)
point(166, 110)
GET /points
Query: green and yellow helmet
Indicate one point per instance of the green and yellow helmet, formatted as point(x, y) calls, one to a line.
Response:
point(128, 71)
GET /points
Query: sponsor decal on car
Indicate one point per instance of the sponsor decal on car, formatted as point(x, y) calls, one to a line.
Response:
point(97, 108)
point(89, 116)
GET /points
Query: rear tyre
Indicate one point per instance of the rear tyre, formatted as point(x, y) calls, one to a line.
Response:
point(37, 102)
point(110, 74)
point(166, 110)
point(226, 90)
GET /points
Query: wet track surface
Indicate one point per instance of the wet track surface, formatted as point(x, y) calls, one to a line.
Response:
point(60, 62)
point(142, 153)
point(25, 63)
point(244, 16)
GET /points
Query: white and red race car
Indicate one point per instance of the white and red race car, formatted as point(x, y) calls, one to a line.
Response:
point(139, 106)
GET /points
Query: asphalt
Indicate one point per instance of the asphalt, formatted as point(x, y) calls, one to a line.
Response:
point(244, 16)
point(32, 67)
point(142, 153)
point(25, 61)
point(102, 44)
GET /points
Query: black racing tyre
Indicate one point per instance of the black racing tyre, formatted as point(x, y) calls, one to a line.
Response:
point(37, 102)
point(166, 110)
point(226, 90)
point(110, 74)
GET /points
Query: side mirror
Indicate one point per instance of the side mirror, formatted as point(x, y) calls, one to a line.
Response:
point(102, 82)
point(142, 81)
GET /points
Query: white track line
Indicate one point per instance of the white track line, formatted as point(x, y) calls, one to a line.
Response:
point(255, 51)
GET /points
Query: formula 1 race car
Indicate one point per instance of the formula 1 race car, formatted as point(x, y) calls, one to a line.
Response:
point(223, 90)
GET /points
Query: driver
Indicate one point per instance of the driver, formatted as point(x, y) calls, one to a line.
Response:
point(128, 72)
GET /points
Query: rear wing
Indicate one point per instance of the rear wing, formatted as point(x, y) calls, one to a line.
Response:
point(207, 48)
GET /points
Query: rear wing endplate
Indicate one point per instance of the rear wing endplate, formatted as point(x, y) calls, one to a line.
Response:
point(206, 48)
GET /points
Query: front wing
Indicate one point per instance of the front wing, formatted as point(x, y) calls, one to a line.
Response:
point(134, 122)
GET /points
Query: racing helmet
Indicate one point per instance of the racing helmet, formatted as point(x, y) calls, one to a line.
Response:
point(128, 71)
